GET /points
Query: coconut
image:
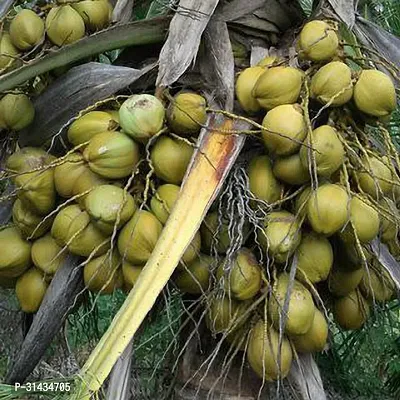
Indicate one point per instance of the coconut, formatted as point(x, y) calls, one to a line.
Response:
point(170, 158)
point(348, 255)
point(281, 235)
point(264, 350)
point(72, 228)
point(142, 116)
point(15, 255)
point(47, 255)
point(342, 282)
point(130, 274)
point(262, 182)
point(301, 309)
point(244, 89)
point(64, 25)
point(314, 258)
point(8, 52)
point(211, 227)
point(277, 86)
point(328, 151)
point(26, 30)
point(114, 114)
point(138, 237)
point(390, 217)
point(16, 111)
point(66, 175)
point(284, 129)
point(187, 113)
point(314, 340)
point(95, 13)
point(376, 284)
point(107, 204)
point(90, 125)
point(375, 176)
point(243, 278)
point(332, 84)
point(195, 278)
point(112, 155)
point(85, 182)
point(28, 158)
point(375, 94)
point(318, 41)
point(30, 290)
point(327, 209)
point(191, 252)
point(269, 61)
point(351, 311)
point(291, 170)
point(29, 224)
point(163, 200)
point(300, 206)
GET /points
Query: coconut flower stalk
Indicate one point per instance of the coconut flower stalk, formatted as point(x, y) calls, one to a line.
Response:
point(205, 176)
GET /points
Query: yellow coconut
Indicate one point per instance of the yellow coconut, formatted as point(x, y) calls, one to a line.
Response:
point(30, 290)
point(269, 61)
point(112, 155)
point(138, 237)
point(242, 278)
point(284, 129)
point(277, 86)
point(245, 83)
point(327, 209)
point(130, 274)
point(191, 252)
point(187, 113)
point(265, 348)
point(15, 255)
point(301, 309)
point(341, 282)
point(163, 200)
point(89, 125)
point(376, 284)
point(8, 52)
point(109, 206)
point(84, 183)
point(26, 30)
point(281, 235)
point(332, 84)
point(300, 206)
point(291, 170)
point(170, 158)
point(314, 258)
point(314, 340)
point(375, 94)
point(95, 13)
point(262, 182)
point(64, 25)
point(16, 111)
point(47, 255)
point(29, 224)
point(195, 279)
point(318, 41)
point(327, 148)
point(351, 311)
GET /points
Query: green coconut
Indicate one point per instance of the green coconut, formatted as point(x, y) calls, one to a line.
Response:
point(301, 309)
point(328, 151)
point(332, 84)
point(8, 52)
point(314, 340)
point(30, 290)
point(291, 170)
point(375, 94)
point(15, 256)
point(284, 129)
point(195, 279)
point(163, 200)
point(187, 113)
point(112, 155)
point(89, 125)
point(277, 86)
point(109, 206)
point(281, 235)
point(341, 282)
point(83, 184)
point(130, 274)
point(265, 348)
point(376, 284)
point(95, 13)
point(300, 205)
point(314, 258)
point(47, 255)
point(327, 209)
point(139, 236)
point(242, 280)
point(16, 111)
point(351, 311)
point(262, 182)
point(318, 41)
point(245, 83)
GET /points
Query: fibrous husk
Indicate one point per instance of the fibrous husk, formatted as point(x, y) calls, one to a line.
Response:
point(300, 311)
point(291, 170)
point(16, 111)
point(163, 200)
point(284, 129)
point(244, 89)
point(341, 281)
point(95, 13)
point(130, 274)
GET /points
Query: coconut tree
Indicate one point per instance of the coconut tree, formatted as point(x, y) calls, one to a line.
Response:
point(201, 43)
